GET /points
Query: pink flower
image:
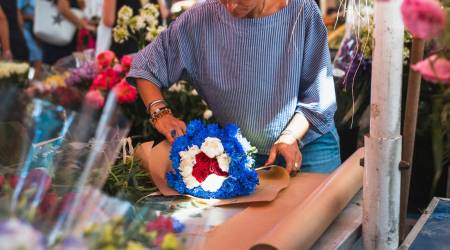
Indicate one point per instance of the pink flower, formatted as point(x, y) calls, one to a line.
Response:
point(161, 224)
point(425, 19)
point(105, 59)
point(126, 62)
point(95, 98)
point(434, 69)
point(125, 92)
point(106, 80)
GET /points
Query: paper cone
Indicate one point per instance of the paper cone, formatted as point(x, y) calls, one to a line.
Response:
point(156, 160)
point(307, 222)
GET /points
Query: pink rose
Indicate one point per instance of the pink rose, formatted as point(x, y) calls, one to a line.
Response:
point(95, 98)
point(425, 19)
point(434, 69)
point(105, 59)
point(126, 62)
point(125, 92)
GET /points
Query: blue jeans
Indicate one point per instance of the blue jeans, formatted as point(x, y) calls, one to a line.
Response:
point(320, 156)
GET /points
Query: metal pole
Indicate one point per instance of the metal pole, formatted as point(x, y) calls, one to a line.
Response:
point(409, 130)
point(381, 190)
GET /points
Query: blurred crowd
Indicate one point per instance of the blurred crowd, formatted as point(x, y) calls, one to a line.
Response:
point(93, 20)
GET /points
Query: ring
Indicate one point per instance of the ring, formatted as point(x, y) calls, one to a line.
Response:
point(296, 167)
point(173, 133)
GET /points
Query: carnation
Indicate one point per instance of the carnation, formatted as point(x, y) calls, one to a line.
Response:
point(126, 62)
point(95, 98)
point(212, 147)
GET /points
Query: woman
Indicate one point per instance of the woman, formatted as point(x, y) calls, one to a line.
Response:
point(52, 53)
point(110, 9)
point(13, 42)
point(261, 64)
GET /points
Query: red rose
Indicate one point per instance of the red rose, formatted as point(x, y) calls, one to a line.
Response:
point(48, 203)
point(125, 92)
point(2, 180)
point(106, 80)
point(67, 96)
point(126, 62)
point(65, 204)
point(38, 178)
point(105, 59)
point(95, 98)
point(13, 180)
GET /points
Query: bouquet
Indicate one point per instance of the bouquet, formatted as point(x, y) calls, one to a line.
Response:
point(11, 72)
point(210, 162)
point(143, 28)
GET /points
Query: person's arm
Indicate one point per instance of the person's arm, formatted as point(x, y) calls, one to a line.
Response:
point(4, 36)
point(65, 10)
point(165, 12)
point(109, 12)
point(316, 101)
point(159, 65)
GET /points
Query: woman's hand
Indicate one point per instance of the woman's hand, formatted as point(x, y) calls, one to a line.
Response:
point(286, 146)
point(170, 127)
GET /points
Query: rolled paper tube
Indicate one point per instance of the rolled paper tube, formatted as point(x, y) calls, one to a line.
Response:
point(303, 226)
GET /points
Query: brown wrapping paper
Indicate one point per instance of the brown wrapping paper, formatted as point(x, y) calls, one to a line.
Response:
point(156, 161)
point(299, 215)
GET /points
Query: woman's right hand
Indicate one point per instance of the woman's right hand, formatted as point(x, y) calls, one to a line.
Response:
point(170, 127)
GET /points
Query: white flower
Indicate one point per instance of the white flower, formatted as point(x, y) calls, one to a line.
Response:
point(191, 182)
point(244, 142)
point(213, 182)
point(186, 166)
point(15, 234)
point(224, 162)
point(120, 34)
point(207, 114)
point(177, 87)
point(212, 147)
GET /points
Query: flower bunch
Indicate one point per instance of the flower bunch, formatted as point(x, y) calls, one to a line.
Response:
point(428, 19)
point(111, 77)
point(210, 162)
point(157, 233)
point(13, 73)
point(9, 69)
point(143, 28)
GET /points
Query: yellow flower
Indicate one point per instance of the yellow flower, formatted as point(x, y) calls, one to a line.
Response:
point(55, 81)
point(124, 14)
point(170, 242)
point(120, 34)
point(132, 245)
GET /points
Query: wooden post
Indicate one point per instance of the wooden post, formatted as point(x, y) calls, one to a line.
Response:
point(409, 130)
point(381, 190)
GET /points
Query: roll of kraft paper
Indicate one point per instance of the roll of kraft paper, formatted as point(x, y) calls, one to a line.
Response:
point(304, 225)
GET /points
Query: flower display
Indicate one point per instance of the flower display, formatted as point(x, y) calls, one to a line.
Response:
point(434, 69)
point(425, 19)
point(210, 162)
point(142, 28)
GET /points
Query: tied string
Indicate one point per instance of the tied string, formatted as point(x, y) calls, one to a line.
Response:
point(127, 149)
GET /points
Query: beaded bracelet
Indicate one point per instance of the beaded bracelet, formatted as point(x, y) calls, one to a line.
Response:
point(155, 116)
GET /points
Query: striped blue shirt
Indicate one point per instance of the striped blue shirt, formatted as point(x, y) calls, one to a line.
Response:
point(254, 72)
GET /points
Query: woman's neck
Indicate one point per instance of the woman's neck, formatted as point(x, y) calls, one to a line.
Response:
point(268, 7)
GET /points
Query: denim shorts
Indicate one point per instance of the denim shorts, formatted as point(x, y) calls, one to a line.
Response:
point(320, 156)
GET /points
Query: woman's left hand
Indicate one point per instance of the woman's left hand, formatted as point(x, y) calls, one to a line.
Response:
point(286, 146)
